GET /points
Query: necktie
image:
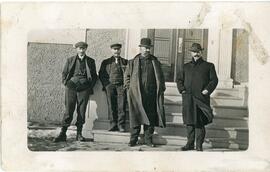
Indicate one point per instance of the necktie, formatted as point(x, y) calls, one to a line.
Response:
point(116, 60)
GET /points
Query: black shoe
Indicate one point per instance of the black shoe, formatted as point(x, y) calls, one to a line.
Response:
point(80, 138)
point(187, 148)
point(150, 145)
point(61, 138)
point(115, 128)
point(121, 129)
point(199, 149)
point(132, 144)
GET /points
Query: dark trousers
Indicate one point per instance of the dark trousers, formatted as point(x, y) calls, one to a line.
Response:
point(73, 98)
point(116, 104)
point(148, 133)
point(149, 105)
point(200, 135)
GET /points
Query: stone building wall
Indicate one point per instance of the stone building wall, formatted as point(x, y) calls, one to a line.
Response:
point(45, 90)
point(240, 56)
point(44, 68)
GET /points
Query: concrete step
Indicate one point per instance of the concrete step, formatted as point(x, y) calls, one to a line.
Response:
point(230, 111)
point(117, 137)
point(212, 131)
point(174, 129)
point(221, 111)
point(171, 89)
point(172, 99)
point(221, 96)
point(221, 121)
point(215, 101)
point(231, 92)
point(173, 108)
point(227, 101)
point(226, 143)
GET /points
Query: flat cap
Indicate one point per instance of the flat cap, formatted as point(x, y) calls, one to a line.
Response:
point(116, 45)
point(81, 44)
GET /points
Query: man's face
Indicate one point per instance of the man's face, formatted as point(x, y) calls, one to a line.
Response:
point(81, 50)
point(145, 51)
point(197, 54)
point(116, 51)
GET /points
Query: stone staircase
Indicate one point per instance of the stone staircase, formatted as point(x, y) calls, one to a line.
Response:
point(228, 130)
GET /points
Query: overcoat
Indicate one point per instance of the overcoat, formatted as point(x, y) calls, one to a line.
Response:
point(91, 73)
point(137, 113)
point(193, 79)
point(105, 68)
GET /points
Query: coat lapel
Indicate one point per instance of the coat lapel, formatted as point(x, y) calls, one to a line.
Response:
point(121, 64)
point(157, 73)
point(88, 73)
point(73, 60)
point(137, 65)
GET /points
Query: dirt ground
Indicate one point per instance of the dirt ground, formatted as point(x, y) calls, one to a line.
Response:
point(41, 139)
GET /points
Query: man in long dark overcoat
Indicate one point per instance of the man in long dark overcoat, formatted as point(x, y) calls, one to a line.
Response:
point(145, 83)
point(79, 77)
point(111, 75)
point(196, 82)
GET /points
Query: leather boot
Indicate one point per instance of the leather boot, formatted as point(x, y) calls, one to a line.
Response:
point(62, 137)
point(79, 136)
point(187, 147)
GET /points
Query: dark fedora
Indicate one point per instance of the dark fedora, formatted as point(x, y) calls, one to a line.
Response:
point(195, 47)
point(81, 44)
point(116, 45)
point(145, 42)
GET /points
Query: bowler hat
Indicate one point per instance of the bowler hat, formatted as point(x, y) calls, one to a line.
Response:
point(195, 47)
point(145, 42)
point(81, 44)
point(116, 45)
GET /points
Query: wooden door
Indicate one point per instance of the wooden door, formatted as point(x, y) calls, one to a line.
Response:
point(185, 38)
point(164, 48)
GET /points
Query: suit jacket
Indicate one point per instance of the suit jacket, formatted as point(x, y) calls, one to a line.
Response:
point(91, 73)
point(104, 72)
point(137, 114)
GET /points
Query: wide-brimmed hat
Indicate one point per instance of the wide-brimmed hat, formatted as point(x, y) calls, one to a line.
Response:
point(116, 45)
point(195, 47)
point(81, 44)
point(145, 42)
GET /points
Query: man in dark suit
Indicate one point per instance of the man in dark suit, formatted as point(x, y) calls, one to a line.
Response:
point(197, 80)
point(146, 85)
point(111, 75)
point(79, 76)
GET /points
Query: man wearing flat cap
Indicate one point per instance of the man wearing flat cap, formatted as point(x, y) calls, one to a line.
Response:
point(111, 75)
point(79, 77)
point(145, 83)
point(196, 82)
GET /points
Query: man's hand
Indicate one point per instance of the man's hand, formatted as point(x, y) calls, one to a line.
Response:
point(183, 92)
point(205, 92)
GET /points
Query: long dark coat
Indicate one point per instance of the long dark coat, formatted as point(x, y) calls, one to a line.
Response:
point(137, 113)
point(105, 68)
point(194, 78)
point(91, 73)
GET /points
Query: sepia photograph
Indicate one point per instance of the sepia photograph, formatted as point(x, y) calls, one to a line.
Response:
point(135, 86)
point(137, 90)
